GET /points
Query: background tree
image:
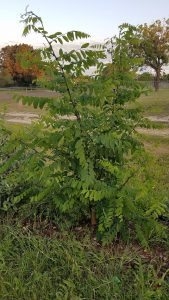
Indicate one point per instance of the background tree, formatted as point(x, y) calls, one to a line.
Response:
point(145, 45)
point(154, 46)
point(11, 62)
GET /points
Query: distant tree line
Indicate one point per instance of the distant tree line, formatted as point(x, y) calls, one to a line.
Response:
point(146, 45)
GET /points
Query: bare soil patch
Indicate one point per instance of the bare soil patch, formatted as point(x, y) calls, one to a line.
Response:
point(158, 132)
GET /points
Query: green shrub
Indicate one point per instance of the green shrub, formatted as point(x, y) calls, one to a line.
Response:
point(81, 166)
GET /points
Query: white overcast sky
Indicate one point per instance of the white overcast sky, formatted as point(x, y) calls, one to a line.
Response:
point(100, 18)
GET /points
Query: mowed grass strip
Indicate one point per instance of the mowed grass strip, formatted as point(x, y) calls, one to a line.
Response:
point(155, 103)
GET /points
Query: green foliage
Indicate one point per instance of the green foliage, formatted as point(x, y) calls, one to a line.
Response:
point(5, 80)
point(121, 50)
point(81, 160)
point(145, 76)
point(165, 76)
point(13, 153)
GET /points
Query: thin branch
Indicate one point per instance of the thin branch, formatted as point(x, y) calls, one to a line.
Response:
point(126, 181)
point(77, 114)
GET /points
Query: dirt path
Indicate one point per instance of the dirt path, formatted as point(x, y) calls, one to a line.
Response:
point(158, 132)
point(28, 118)
point(21, 118)
point(159, 119)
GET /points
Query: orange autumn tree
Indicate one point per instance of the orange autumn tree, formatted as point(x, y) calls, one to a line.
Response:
point(22, 62)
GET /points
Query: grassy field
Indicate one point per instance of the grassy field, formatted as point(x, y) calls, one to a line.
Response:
point(155, 103)
point(158, 147)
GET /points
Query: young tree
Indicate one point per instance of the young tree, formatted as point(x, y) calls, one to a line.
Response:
point(83, 156)
point(11, 58)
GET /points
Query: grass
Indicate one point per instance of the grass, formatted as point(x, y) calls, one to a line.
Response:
point(39, 267)
point(155, 103)
point(158, 146)
point(157, 140)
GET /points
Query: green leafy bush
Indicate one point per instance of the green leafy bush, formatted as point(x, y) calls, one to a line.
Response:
point(86, 162)
point(13, 154)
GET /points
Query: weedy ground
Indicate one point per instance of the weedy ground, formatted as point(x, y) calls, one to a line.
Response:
point(71, 265)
